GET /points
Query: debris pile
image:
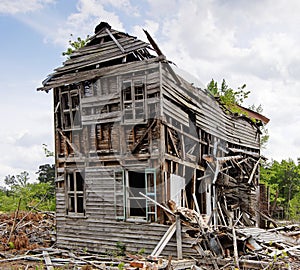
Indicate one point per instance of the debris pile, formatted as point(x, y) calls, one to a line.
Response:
point(26, 231)
point(27, 242)
point(240, 247)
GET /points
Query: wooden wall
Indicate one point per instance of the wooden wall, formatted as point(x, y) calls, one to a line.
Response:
point(180, 109)
point(209, 116)
point(99, 231)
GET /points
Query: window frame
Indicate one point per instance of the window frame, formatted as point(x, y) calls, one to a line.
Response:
point(73, 192)
point(70, 109)
point(103, 132)
point(150, 191)
point(134, 101)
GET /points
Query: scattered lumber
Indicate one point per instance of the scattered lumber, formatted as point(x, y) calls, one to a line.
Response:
point(31, 245)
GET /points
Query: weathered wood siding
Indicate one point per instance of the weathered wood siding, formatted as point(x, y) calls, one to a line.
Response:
point(209, 115)
point(167, 97)
point(99, 230)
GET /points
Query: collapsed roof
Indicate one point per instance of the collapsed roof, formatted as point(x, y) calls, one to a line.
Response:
point(107, 48)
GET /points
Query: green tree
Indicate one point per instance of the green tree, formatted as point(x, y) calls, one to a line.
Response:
point(18, 180)
point(48, 153)
point(283, 179)
point(39, 195)
point(228, 97)
point(10, 180)
point(75, 45)
point(22, 178)
point(46, 174)
point(231, 100)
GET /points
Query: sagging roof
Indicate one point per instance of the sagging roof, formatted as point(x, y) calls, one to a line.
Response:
point(109, 47)
point(106, 48)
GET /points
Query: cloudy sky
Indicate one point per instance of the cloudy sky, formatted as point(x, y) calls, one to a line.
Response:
point(252, 42)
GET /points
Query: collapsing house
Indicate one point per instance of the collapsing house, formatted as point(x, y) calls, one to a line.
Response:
point(135, 142)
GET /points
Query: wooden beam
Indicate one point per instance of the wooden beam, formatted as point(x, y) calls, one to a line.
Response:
point(253, 171)
point(160, 205)
point(164, 241)
point(115, 41)
point(143, 136)
point(47, 259)
point(178, 237)
point(235, 249)
point(69, 142)
point(153, 43)
point(173, 142)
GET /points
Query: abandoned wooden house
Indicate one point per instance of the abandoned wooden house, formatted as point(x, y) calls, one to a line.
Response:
point(134, 139)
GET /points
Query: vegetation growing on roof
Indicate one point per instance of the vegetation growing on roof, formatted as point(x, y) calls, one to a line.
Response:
point(231, 101)
point(228, 97)
point(75, 45)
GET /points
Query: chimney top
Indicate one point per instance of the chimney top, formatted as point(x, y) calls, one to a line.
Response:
point(101, 26)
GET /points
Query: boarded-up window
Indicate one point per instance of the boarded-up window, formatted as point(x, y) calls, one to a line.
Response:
point(75, 192)
point(108, 85)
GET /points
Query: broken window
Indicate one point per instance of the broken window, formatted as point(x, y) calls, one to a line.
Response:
point(70, 109)
point(91, 88)
point(87, 89)
point(103, 136)
point(135, 206)
point(75, 192)
point(133, 100)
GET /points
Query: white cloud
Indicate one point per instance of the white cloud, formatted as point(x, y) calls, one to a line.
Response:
point(123, 6)
point(21, 6)
point(83, 22)
point(149, 25)
point(252, 42)
point(243, 42)
point(22, 152)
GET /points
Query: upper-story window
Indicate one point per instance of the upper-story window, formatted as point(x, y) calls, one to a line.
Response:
point(133, 93)
point(70, 109)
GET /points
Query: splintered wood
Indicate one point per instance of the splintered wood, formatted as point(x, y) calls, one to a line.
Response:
point(240, 247)
point(225, 248)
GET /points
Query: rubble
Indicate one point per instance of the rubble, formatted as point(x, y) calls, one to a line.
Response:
point(26, 231)
point(242, 247)
point(27, 242)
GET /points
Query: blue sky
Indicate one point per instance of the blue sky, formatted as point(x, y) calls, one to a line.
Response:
point(252, 42)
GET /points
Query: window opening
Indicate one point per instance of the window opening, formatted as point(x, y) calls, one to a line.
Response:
point(70, 109)
point(129, 203)
point(103, 136)
point(88, 89)
point(133, 100)
point(75, 192)
point(136, 203)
